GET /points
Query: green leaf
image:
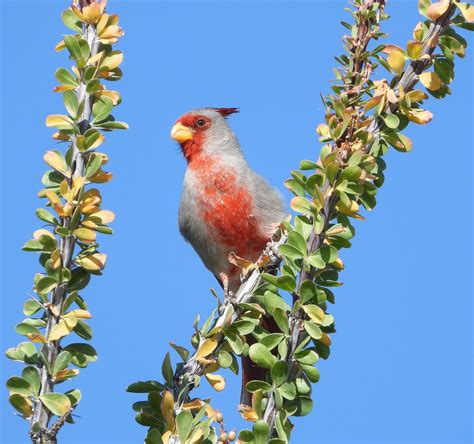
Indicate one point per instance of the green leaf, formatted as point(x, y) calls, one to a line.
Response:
point(71, 103)
point(261, 356)
point(57, 403)
point(246, 436)
point(182, 352)
point(303, 405)
point(272, 340)
point(71, 20)
point(260, 432)
point(184, 424)
point(19, 385)
point(83, 330)
point(85, 49)
point(423, 6)
point(22, 404)
point(296, 240)
point(253, 386)
point(307, 357)
point(324, 255)
point(80, 279)
point(81, 354)
point(33, 245)
point(311, 372)
point(30, 307)
point(46, 284)
point(279, 373)
point(288, 390)
point(93, 165)
point(399, 141)
point(166, 369)
point(314, 312)
point(313, 329)
point(102, 109)
point(444, 69)
point(235, 342)
point(308, 291)
point(148, 420)
point(74, 396)
point(46, 216)
point(153, 437)
point(25, 352)
point(113, 125)
point(281, 319)
point(26, 329)
point(61, 362)
point(286, 282)
point(145, 387)
point(273, 300)
point(392, 121)
point(92, 86)
point(289, 251)
point(302, 387)
point(31, 374)
point(351, 173)
point(301, 205)
point(224, 359)
point(295, 187)
point(64, 77)
point(73, 47)
point(308, 165)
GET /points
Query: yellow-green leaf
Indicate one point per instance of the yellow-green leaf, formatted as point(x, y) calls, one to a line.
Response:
point(92, 13)
point(79, 314)
point(430, 80)
point(217, 381)
point(62, 328)
point(93, 262)
point(22, 404)
point(206, 348)
point(112, 60)
point(414, 49)
point(105, 216)
point(59, 121)
point(315, 313)
point(467, 11)
point(167, 409)
point(396, 60)
point(56, 403)
point(436, 10)
point(420, 116)
point(56, 161)
point(417, 96)
point(85, 235)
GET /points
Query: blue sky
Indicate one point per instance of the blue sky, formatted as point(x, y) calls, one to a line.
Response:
point(401, 364)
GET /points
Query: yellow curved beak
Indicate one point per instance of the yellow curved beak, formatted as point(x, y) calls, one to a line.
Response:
point(181, 133)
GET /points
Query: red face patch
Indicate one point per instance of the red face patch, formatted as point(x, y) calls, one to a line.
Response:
point(199, 124)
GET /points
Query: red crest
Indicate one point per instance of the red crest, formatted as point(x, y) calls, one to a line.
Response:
point(226, 112)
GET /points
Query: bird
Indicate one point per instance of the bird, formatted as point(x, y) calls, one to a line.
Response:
point(225, 206)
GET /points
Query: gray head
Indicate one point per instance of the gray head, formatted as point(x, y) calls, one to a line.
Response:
point(206, 130)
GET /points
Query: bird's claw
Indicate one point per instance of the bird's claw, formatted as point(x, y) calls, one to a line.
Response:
point(229, 297)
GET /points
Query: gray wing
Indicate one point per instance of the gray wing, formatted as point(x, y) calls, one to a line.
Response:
point(268, 202)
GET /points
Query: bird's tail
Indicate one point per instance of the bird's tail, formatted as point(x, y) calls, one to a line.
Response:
point(250, 370)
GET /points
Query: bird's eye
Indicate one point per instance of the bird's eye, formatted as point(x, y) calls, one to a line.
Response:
point(201, 122)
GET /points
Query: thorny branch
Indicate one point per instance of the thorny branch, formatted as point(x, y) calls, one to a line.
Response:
point(405, 84)
point(230, 313)
point(50, 350)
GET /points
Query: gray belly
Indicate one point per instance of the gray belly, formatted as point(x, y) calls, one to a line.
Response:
point(194, 229)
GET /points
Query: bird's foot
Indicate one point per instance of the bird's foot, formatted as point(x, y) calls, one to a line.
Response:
point(229, 297)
